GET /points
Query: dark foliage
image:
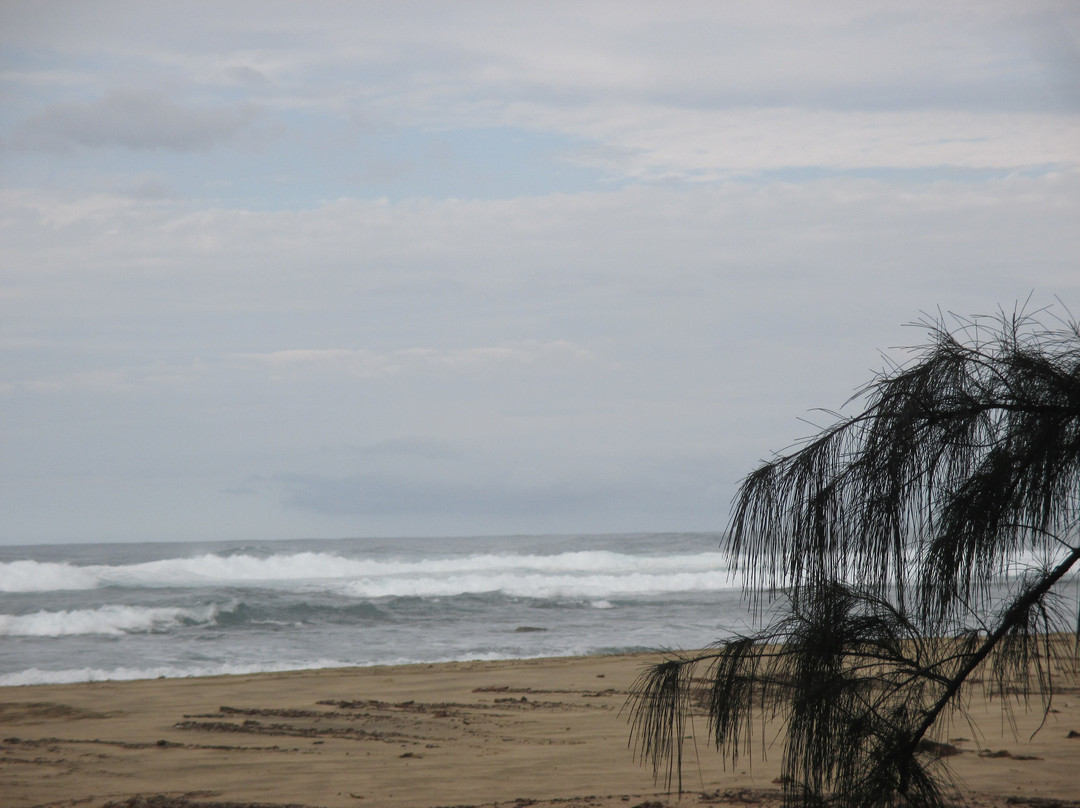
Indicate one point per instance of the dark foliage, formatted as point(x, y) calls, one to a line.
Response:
point(953, 499)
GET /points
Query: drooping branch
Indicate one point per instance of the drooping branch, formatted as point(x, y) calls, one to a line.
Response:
point(658, 707)
point(1014, 616)
point(959, 464)
point(950, 455)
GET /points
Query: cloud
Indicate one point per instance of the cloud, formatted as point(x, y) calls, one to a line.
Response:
point(111, 381)
point(377, 495)
point(134, 119)
point(425, 447)
point(298, 365)
point(649, 143)
point(627, 491)
point(245, 75)
point(81, 382)
point(364, 364)
point(529, 260)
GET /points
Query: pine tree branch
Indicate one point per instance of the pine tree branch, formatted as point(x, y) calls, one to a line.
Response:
point(1012, 618)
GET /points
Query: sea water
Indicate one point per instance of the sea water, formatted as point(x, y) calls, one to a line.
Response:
point(87, 612)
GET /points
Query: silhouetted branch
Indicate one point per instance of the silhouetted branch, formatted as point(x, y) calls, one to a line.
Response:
point(959, 464)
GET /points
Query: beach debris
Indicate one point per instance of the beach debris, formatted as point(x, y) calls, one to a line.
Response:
point(182, 801)
point(938, 749)
point(224, 710)
point(36, 712)
point(1005, 753)
point(258, 728)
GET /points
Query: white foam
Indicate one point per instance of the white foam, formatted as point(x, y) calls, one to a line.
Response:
point(526, 584)
point(588, 574)
point(106, 620)
point(38, 676)
point(38, 576)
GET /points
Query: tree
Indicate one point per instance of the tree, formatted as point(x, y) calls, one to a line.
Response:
point(901, 551)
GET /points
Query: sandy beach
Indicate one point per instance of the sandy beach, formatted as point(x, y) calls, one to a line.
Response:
point(515, 733)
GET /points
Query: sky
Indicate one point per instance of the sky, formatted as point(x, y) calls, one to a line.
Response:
point(281, 270)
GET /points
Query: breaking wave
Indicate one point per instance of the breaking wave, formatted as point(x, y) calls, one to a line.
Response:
point(106, 620)
point(592, 574)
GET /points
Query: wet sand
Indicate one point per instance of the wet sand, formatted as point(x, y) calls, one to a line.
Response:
point(532, 732)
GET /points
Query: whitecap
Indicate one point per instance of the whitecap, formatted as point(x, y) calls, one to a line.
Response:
point(45, 576)
point(580, 573)
point(105, 620)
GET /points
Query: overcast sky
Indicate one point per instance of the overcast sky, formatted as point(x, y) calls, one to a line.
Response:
point(283, 270)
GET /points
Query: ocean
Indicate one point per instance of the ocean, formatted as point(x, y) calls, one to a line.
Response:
point(88, 612)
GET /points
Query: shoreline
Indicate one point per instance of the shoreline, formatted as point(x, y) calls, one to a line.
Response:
point(549, 730)
point(290, 670)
